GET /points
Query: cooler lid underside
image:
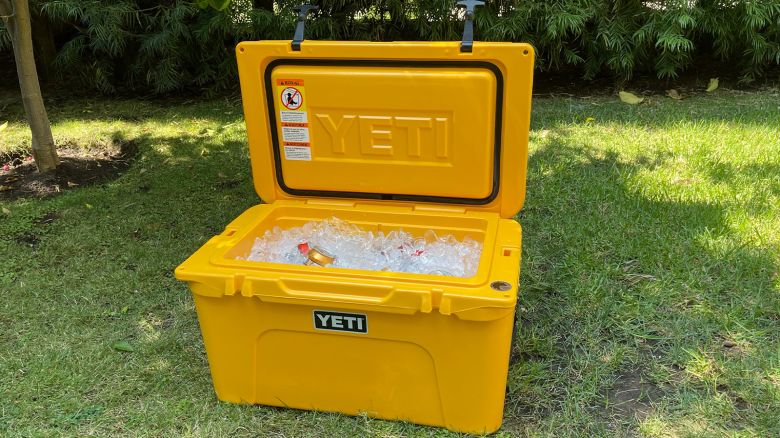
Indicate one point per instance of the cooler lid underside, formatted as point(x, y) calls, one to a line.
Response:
point(425, 126)
point(405, 130)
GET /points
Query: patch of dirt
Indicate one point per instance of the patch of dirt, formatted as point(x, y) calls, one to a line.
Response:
point(78, 167)
point(28, 239)
point(739, 403)
point(631, 396)
point(47, 218)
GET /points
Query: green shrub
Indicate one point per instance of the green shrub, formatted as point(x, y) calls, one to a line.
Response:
point(172, 45)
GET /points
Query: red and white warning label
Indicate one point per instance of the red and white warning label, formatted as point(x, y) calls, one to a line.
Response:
point(297, 132)
point(300, 153)
point(293, 116)
point(293, 119)
point(292, 98)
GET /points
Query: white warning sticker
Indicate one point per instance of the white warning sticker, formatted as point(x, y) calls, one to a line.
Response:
point(299, 153)
point(293, 116)
point(294, 119)
point(290, 132)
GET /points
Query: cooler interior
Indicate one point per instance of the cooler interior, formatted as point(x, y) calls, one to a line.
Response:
point(480, 227)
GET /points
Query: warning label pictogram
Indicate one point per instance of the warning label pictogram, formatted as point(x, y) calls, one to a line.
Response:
point(293, 121)
point(292, 98)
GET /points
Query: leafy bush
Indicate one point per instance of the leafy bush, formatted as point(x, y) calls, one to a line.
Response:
point(171, 45)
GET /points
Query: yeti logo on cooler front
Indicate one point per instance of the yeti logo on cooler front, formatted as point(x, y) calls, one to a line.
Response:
point(341, 322)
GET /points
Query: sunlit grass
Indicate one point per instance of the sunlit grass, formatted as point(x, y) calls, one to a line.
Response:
point(650, 264)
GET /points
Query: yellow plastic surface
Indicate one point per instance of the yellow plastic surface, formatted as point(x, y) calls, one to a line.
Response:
point(436, 348)
point(415, 119)
point(394, 130)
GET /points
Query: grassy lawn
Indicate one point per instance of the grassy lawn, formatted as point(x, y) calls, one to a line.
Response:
point(649, 281)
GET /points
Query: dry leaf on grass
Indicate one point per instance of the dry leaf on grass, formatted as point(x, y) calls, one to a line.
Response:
point(713, 85)
point(630, 98)
point(674, 94)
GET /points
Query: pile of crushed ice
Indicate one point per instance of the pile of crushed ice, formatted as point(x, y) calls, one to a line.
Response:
point(347, 246)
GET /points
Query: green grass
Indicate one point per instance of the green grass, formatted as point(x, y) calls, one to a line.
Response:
point(651, 237)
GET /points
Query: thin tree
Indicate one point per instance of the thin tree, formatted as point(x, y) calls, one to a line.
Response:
point(16, 17)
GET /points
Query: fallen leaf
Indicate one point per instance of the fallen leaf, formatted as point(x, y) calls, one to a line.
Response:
point(72, 184)
point(221, 175)
point(88, 205)
point(3, 126)
point(729, 344)
point(674, 94)
point(142, 171)
point(6, 211)
point(713, 85)
point(630, 98)
point(122, 346)
point(5, 188)
point(589, 120)
point(682, 181)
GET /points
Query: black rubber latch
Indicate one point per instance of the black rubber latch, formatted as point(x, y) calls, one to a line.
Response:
point(468, 27)
point(303, 11)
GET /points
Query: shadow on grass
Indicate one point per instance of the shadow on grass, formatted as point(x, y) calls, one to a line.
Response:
point(634, 307)
point(627, 301)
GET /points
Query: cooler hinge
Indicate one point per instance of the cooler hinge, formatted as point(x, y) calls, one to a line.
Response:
point(439, 209)
point(330, 202)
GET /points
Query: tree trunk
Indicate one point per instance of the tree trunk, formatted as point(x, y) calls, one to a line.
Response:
point(17, 22)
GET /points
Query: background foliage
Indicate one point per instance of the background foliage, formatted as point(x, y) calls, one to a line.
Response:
point(173, 45)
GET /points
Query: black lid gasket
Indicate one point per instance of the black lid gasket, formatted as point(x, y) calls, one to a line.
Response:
point(387, 63)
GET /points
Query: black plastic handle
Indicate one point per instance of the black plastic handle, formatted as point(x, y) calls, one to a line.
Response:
point(303, 11)
point(467, 42)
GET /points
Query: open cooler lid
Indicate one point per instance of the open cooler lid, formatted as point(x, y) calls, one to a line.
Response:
point(416, 122)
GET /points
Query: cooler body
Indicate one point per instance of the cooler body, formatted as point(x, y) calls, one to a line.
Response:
point(421, 348)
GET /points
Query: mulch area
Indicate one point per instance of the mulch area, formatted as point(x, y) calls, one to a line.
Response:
point(78, 167)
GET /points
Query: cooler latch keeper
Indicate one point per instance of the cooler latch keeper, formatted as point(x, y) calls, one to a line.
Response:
point(303, 11)
point(468, 27)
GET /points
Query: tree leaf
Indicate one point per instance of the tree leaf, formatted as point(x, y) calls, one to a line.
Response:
point(674, 94)
point(219, 5)
point(3, 126)
point(123, 346)
point(630, 98)
point(713, 85)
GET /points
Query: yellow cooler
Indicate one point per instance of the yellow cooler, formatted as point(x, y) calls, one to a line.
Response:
point(386, 136)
